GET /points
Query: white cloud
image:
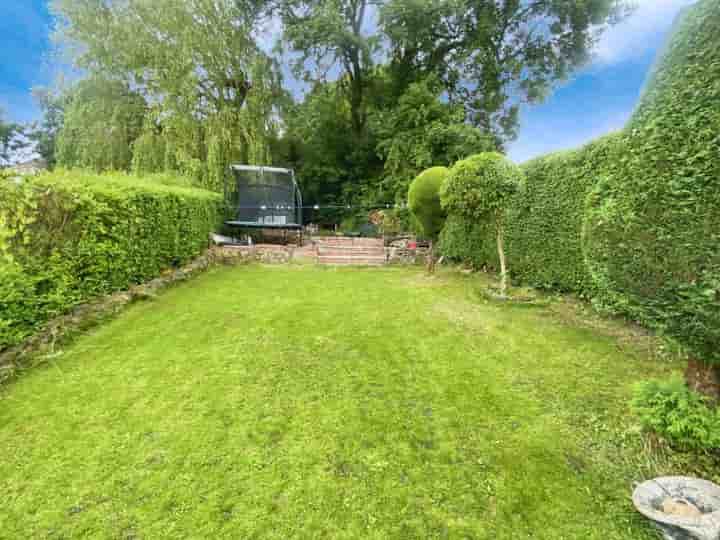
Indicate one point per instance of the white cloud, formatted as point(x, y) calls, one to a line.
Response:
point(639, 33)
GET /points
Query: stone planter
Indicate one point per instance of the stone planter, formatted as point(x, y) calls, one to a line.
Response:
point(682, 508)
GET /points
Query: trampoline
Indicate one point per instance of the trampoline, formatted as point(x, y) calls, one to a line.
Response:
point(263, 198)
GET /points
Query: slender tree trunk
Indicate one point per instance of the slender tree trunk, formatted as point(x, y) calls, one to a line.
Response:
point(704, 378)
point(501, 256)
point(431, 258)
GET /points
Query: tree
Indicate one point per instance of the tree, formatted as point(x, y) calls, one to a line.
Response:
point(12, 141)
point(478, 189)
point(102, 119)
point(493, 54)
point(44, 134)
point(210, 87)
point(422, 131)
point(424, 203)
point(332, 34)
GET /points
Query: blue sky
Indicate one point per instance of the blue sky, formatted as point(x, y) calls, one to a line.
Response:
point(597, 100)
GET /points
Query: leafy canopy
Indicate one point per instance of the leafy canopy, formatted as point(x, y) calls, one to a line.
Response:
point(479, 187)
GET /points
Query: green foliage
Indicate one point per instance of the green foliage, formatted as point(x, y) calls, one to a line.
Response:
point(652, 228)
point(546, 216)
point(471, 242)
point(70, 236)
point(676, 413)
point(423, 131)
point(492, 55)
point(633, 220)
point(424, 200)
point(101, 120)
point(478, 188)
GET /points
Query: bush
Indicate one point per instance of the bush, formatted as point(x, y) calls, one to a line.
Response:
point(652, 227)
point(478, 188)
point(424, 200)
point(70, 236)
point(469, 242)
point(679, 415)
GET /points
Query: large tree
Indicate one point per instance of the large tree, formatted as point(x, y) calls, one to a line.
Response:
point(209, 86)
point(332, 35)
point(493, 54)
point(102, 119)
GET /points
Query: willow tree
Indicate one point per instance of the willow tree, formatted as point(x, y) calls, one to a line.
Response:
point(196, 62)
point(101, 120)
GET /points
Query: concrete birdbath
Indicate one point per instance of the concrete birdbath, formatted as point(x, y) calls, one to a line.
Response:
point(682, 508)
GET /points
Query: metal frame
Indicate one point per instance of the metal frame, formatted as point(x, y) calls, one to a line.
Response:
point(297, 196)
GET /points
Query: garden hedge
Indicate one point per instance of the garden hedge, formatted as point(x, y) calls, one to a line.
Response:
point(70, 236)
point(632, 220)
point(652, 226)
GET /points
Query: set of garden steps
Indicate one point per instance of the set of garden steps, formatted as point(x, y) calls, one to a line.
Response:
point(342, 250)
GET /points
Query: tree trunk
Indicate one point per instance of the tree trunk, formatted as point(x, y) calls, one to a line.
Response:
point(501, 256)
point(431, 258)
point(703, 378)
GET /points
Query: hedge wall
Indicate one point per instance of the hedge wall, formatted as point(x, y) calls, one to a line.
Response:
point(652, 226)
point(632, 220)
point(70, 236)
point(544, 229)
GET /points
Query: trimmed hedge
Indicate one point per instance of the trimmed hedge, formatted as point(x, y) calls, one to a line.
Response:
point(545, 223)
point(632, 220)
point(70, 236)
point(652, 227)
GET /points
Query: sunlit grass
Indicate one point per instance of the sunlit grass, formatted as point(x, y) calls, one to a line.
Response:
point(304, 402)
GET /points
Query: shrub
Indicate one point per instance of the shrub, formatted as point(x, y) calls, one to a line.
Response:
point(652, 227)
point(70, 236)
point(424, 204)
point(478, 190)
point(469, 242)
point(424, 200)
point(679, 415)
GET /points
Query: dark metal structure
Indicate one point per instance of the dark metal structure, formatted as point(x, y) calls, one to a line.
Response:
point(263, 198)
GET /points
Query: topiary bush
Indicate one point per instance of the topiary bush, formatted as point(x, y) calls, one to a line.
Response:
point(424, 203)
point(69, 236)
point(424, 200)
point(652, 224)
point(478, 190)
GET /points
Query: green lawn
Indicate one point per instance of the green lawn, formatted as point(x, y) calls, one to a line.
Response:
point(304, 402)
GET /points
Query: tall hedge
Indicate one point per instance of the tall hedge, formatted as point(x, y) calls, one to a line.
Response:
point(633, 219)
point(70, 236)
point(652, 226)
point(545, 225)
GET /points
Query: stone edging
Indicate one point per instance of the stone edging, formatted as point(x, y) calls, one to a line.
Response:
point(37, 348)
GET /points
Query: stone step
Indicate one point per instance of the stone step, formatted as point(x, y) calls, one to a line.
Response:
point(348, 241)
point(351, 251)
point(351, 261)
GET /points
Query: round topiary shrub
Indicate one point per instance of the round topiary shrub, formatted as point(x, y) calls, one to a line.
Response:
point(424, 200)
point(478, 190)
point(424, 203)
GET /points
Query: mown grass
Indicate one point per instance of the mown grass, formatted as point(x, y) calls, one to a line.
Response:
point(303, 402)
